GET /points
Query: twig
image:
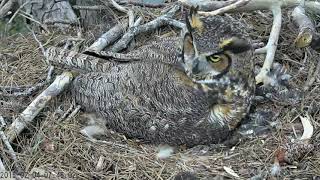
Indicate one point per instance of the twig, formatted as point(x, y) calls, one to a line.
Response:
point(94, 8)
point(8, 145)
point(124, 2)
point(30, 90)
point(271, 46)
point(114, 33)
point(2, 168)
point(123, 146)
point(141, 3)
point(117, 6)
point(38, 104)
point(154, 24)
point(227, 8)
point(131, 18)
point(28, 16)
point(313, 77)
point(100, 163)
point(39, 43)
point(5, 140)
point(134, 24)
point(2, 122)
point(2, 125)
point(74, 112)
point(17, 11)
point(65, 114)
point(122, 9)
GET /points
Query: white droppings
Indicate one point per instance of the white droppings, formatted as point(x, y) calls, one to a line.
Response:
point(165, 152)
point(275, 169)
point(153, 128)
point(92, 130)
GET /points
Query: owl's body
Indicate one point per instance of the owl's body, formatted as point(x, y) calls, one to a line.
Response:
point(160, 106)
point(173, 98)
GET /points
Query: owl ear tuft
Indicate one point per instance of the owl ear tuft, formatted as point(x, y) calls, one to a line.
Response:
point(188, 24)
point(193, 20)
point(188, 49)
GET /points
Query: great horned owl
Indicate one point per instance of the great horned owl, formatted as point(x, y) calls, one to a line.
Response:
point(198, 96)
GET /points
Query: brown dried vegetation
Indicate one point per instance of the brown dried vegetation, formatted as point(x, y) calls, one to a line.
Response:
point(59, 147)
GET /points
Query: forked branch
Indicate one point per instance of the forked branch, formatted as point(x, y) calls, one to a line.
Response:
point(271, 47)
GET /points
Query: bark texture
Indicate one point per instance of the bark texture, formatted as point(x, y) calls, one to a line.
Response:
point(50, 12)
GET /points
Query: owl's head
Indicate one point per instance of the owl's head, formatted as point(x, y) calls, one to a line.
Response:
point(208, 55)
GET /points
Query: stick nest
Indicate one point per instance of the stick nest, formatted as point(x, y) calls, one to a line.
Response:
point(59, 147)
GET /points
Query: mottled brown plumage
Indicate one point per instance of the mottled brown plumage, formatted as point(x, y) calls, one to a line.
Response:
point(174, 93)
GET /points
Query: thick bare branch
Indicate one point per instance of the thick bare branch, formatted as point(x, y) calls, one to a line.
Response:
point(127, 37)
point(227, 8)
point(152, 25)
point(305, 25)
point(271, 46)
point(109, 37)
point(37, 105)
point(205, 5)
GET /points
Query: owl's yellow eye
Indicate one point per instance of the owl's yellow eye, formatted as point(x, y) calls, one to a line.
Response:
point(215, 58)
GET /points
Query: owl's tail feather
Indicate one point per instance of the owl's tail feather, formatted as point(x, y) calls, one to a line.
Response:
point(78, 61)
